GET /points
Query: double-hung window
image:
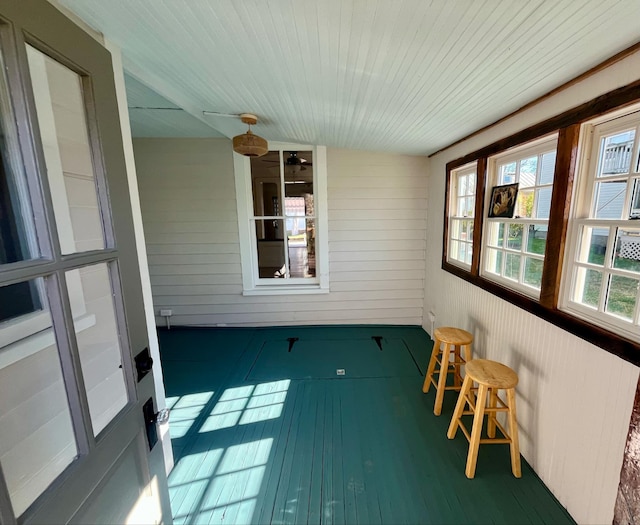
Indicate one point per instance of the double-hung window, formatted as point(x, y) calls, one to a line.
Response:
point(282, 203)
point(461, 220)
point(602, 282)
point(514, 247)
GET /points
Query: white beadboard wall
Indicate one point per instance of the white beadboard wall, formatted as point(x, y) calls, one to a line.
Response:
point(574, 399)
point(377, 237)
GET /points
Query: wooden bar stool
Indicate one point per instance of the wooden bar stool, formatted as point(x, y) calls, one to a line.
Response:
point(450, 339)
point(491, 377)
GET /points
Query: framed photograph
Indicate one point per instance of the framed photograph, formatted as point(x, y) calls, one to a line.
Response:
point(503, 200)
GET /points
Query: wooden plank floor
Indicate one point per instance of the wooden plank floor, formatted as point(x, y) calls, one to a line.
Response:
point(262, 434)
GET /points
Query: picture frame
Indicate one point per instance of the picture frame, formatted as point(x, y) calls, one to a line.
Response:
point(503, 200)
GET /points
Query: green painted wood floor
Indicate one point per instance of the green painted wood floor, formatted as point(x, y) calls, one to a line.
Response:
point(262, 434)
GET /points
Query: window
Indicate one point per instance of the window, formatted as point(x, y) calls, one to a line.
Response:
point(569, 252)
point(462, 203)
point(603, 278)
point(281, 199)
point(515, 248)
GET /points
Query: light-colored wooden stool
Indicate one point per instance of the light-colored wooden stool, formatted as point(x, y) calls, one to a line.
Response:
point(490, 377)
point(450, 339)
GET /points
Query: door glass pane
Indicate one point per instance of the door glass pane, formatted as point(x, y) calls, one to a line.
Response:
point(18, 241)
point(62, 120)
point(94, 322)
point(270, 239)
point(37, 441)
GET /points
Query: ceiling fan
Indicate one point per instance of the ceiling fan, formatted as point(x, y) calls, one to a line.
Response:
point(293, 161)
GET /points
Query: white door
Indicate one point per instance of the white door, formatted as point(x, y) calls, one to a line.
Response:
point(74, 445)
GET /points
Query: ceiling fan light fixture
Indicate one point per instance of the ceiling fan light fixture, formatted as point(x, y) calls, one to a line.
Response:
point(249, 144)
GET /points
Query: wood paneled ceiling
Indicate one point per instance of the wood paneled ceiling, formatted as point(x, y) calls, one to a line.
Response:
point(407, 76)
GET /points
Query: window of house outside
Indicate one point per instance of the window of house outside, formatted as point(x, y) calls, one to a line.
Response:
point(461, 221)
point(514, 244)
point(282, 203)
point(602, 280)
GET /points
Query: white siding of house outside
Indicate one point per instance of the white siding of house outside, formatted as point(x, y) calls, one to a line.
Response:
point(574, 400)
point(377, 230)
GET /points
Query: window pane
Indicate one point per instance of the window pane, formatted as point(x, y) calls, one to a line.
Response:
point(634, 212)
point(524, 204)
point(528, 170)
point(300, 242)
point(469, 209)
point(514, 241)
point(494, 261)
point(537, 238)
point(462, 185)
point(615, 153)
point(454, 250)
point(18, 241)
point(609, 200)
point(627, 252)
point(543, 203)
point(62, 120)
point(512, 266)
point(547, 168)
point(94, 322)
point(533, 272)
point(469, 254)
point(588, 287)
point(271, 254)
point(622, 297)
point(37, 440)
point(298, 174)
point(594, 245)
point(471, 184)
point(496, 233)
point(507, 173)
point(456, 227)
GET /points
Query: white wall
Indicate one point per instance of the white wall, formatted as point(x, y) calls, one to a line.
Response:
point(574, 399)
point(376, 238)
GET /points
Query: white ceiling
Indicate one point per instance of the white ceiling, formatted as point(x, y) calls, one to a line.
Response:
point(409, 76)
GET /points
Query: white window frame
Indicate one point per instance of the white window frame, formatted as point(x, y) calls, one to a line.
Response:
point(534, 148)
point(591, 135)
point(454, 215)
point(251, 283)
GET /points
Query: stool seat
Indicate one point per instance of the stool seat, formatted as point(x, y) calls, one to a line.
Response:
point(447, 340)
point(453, 336)
point(492, 374)
point(491, 377)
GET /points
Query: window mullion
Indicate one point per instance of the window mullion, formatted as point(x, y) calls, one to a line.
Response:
point(481, 182)
point(564, 174)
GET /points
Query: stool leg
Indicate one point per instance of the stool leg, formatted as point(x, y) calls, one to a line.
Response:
point(457, 413)
point(457, 378)
point(491, 418)
point(474, 442)
point(432, 366)
point(442, 378)
point(513, 433)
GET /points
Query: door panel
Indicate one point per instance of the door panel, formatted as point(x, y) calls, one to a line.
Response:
point(82, 299)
